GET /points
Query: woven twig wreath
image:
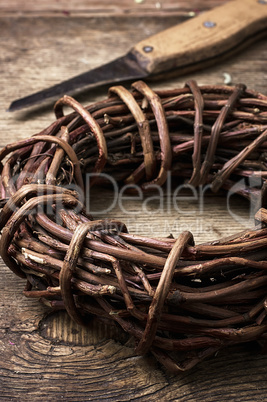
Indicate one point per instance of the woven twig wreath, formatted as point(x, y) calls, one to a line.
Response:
point(201, 135)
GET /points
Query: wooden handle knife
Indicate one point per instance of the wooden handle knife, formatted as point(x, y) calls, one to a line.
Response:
point(182, 48)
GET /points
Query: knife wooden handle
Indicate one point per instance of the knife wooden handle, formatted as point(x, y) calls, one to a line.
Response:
point(207, 36)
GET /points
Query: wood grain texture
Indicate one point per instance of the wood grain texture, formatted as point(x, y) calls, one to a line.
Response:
point(105, 7)
point(45, 356)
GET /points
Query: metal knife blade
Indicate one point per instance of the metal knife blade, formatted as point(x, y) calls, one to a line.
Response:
point(121, 69)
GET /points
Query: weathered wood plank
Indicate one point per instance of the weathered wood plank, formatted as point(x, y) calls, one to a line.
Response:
point(106, 8)
point(47, 357)
point(33, 367)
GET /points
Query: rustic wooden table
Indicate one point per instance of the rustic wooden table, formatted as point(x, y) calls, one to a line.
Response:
point(44, 356)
